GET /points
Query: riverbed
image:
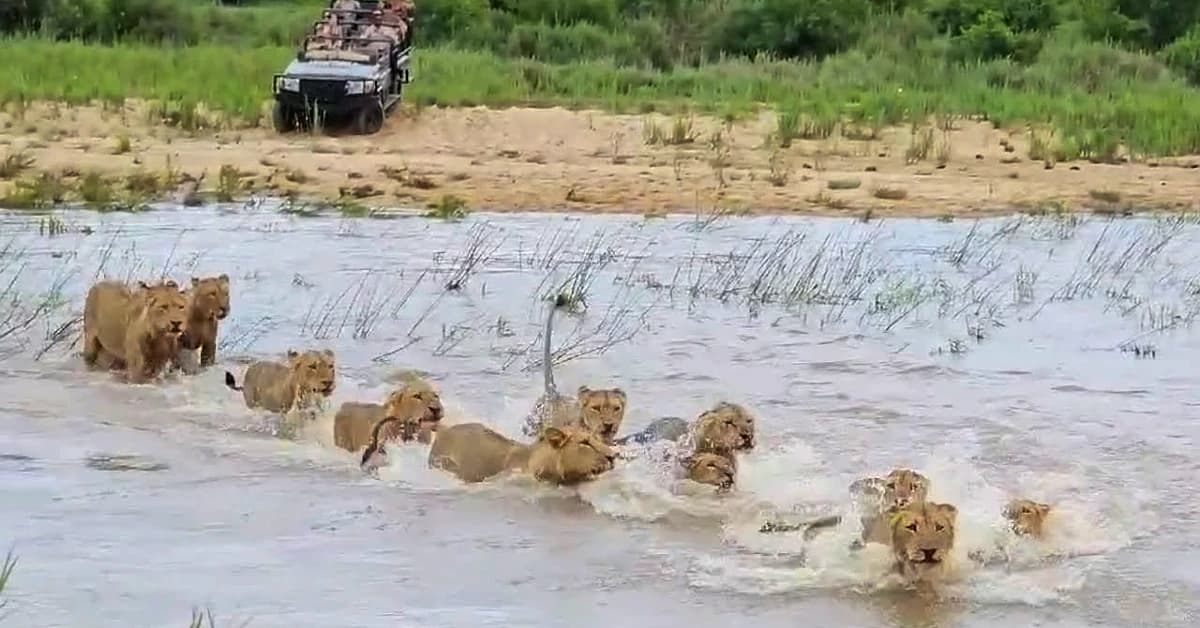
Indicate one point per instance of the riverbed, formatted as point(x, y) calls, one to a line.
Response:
point(1041, 356)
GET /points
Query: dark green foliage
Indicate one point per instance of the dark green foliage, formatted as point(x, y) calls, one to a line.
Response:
point(659, 34)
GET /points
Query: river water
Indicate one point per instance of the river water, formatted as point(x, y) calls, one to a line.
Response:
point(1000, 357)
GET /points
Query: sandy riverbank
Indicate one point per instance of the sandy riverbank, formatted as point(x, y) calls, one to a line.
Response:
point(559, 160)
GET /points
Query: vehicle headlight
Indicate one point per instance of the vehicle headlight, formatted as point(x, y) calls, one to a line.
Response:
point(360, 87)
point(289, 84)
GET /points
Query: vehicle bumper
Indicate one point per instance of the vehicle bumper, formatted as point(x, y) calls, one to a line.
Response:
point(346, 104)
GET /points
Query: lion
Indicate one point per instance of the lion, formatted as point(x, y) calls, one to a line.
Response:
point(877, 499)
point(1027, 517)
point(600, 410)
point(415, 410)
point(209, 305)
point(712, 469)
point(922, 537)
point(724, 428)
point(134, 330)
point(306, 379)
point(563, 456)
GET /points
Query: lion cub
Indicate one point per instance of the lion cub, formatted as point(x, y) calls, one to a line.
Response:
point(723, 429)
point(564, 456)
point(412, 411)
point(599, 410)
point(306, 379)
point(1027, 517)
point(922, 537)
point(877, 499)
point(135, 330)
point(712, 469)
point(209, 305)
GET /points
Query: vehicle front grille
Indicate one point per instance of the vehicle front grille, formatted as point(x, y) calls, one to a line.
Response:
point(322, 90)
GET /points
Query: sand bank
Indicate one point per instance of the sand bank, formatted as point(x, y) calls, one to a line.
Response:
point(525, 159)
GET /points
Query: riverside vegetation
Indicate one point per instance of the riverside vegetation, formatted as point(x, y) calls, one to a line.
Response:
point(1100, 74)
point(865, 107)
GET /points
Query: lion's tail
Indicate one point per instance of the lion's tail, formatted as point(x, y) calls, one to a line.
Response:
point(547, 353)
point(231, 382)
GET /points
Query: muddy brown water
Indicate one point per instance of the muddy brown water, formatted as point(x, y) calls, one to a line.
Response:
point(1000, 357)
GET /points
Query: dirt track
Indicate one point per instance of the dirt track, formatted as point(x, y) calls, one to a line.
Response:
point(559, 160)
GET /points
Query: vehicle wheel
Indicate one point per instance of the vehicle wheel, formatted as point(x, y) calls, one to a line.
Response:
point(369, 119)
point(283, 118)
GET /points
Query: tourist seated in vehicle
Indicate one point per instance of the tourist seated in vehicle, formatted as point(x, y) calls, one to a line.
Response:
point(327, 35)
point(346, 5)
point(401, 9)
point(374, 32)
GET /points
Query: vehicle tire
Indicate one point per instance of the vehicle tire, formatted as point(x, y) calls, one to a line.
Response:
point(283, 117)
point(369, 119)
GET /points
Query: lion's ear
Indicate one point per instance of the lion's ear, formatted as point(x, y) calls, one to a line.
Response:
point(328, 353)
point(583, 390)
point(556, 437)
point(195, 281)
point(292, 354)
point(223, 278)
point(948, 509)
point(1043, 509)
point(143, 285)
point(170, 283)
point(620, 393)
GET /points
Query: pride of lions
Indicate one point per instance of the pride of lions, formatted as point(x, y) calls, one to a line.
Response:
point(146, 329)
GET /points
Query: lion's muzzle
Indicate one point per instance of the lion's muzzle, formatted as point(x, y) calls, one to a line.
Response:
point(923, 556)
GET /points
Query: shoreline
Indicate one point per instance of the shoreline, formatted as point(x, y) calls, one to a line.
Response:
point(563, 161)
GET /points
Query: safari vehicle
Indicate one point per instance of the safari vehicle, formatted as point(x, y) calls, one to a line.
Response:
point(344, 76)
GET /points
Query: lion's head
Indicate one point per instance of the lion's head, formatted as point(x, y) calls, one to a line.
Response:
point(602, 411)
point(417, 403)
point(569, 455)
point(165, 307)
point(210, 296)
point(724, 428)
point(922, 535)
point(1026, 516)
point(313, 372)
point(898, 489)
point(711, 468)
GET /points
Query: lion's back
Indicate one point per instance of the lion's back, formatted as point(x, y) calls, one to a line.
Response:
point(264, 386)
point(472, 451)
point(353, 423)
point(106, 313)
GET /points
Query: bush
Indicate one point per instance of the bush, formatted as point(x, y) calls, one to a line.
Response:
point(1183, 56)
point(791, 28)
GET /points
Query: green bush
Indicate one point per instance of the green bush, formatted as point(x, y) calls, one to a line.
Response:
point(791, 28)
point(1183, 56)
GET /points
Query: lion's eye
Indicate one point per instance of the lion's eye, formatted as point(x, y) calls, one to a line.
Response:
point(312, 367)
point(891, 486)
point(938, 527)
point(912, 527)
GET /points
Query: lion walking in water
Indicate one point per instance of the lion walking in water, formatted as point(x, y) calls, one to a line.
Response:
point(598, 410)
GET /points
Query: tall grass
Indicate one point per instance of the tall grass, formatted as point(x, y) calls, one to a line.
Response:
point(1094, 97)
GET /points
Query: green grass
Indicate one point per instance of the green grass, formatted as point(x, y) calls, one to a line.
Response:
point(1094, 97)
point(10, 563)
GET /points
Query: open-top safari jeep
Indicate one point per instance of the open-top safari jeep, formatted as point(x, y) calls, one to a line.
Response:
point(345, 74)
